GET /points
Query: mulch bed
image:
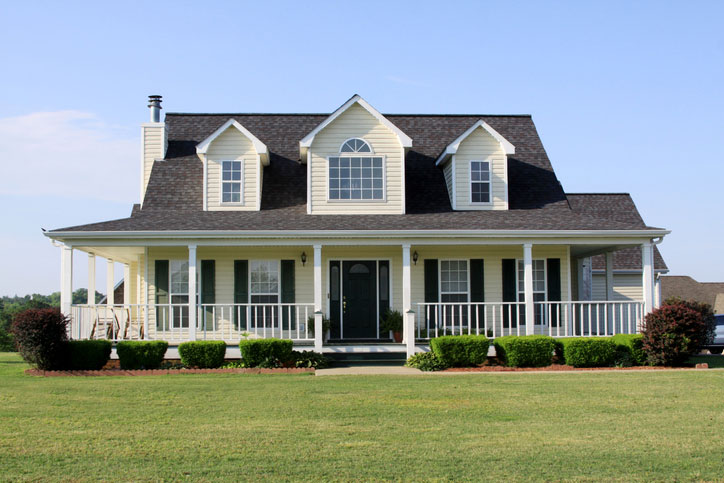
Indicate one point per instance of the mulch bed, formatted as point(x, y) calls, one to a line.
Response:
point(564, 368)
point(158, 372)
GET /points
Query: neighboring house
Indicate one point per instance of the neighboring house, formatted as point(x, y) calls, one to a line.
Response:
point(687, 288)
point(273, 221)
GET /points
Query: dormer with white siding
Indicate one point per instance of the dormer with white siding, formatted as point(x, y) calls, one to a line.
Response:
point(233, 166)
point(355, 162)
point(475, 166)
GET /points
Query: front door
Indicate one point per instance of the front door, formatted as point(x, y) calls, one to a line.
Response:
point(359, 299)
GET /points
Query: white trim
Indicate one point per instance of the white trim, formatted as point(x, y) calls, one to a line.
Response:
point(205, 167)
point(259, 146)
point(307, 140)
point(384, 179)
point(309, 182)
point(439, 279)
point(242, 191)
point(259, 170)
point(371, 152)
point(403, 188)
point(453, 182)
point(453, 147)
point(91, 296)
point(489, 182)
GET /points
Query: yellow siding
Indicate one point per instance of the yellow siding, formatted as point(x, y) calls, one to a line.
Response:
point(626, 286)
point(356, 122)
point(153, 139)
point(232, 145)
point(481, 146)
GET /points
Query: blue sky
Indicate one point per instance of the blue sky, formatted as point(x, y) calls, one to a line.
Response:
point(627, 96)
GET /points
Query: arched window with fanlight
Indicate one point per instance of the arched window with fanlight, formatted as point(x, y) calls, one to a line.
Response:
point(356, 174)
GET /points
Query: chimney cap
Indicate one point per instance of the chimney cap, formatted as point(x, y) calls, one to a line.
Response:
point(155, 101)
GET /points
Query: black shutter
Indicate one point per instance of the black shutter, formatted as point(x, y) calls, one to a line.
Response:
point(510, 293)
point(208, 293)
point(383, 285)
point(432, 294)
point(554, 288)
point(162, 313)
point(477, 292)
point(287, 279)
point(335, 280)
point(241, 292)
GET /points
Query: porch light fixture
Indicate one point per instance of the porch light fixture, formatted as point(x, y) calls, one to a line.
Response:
point(304, 258)
point(414, 257)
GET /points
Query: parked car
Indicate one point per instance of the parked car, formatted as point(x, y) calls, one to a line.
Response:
point(718, 345)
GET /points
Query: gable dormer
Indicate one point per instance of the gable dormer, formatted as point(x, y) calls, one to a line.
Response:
point(355, 162)
point(233, 164)
point(476, 169)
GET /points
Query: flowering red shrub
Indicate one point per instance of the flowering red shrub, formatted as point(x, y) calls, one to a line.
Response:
point(41, 336)
point(677, 330)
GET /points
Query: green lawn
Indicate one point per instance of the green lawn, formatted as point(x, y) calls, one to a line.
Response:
point(580, 426)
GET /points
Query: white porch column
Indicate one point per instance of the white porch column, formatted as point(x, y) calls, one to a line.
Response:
point(647, 263)
point(406, 294)
point(609, 275)
point(318, 312)
point(528, 287)
point(126, 284)
point(91, 279)
point(66, 279)
point(192, 292)
point(110, 278)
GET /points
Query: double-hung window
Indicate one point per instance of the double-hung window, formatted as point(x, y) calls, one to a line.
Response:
point(480, 181)
point(539, 287)
point(264, 284)
point(454, 288)
point(179, 293)
point(231, 181)
point(356, 174)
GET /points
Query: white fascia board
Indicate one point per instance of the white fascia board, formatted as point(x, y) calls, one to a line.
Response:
point(259, 146)
point(452, 148)
point(307, 140)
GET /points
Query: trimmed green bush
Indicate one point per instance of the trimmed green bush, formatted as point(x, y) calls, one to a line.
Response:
point(41, 336)
point(633, 345)
point(309, 359)
point(461, 350)
point(425, 361)
point(254, 352)
point(141, 354)
point(589, 351)
point(204, 354)
point(87, 355)
point(525, 350)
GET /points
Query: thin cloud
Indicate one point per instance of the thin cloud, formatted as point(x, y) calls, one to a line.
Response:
point(69, 154)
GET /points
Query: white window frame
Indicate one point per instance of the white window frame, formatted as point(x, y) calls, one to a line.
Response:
point(439, 279)
point(520, 293)
point(359, 155)
point(489, 182)
point(371, 152)
point(257, 308)
point(182, 307)
point(240, 181)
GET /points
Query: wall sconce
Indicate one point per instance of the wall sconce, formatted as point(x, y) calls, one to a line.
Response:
point(414, 257)
point(304, 258)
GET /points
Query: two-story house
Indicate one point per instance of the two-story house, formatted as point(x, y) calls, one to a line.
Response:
point(263, 225)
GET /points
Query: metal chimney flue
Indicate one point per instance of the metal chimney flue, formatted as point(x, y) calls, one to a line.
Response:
point(154, 102)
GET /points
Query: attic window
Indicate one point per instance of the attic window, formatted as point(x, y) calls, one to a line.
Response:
point(480, 181)
point(355, 145)
point(231, 182)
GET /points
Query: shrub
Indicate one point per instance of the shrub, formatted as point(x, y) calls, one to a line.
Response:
point(425, 361)
point(204, 354)
point(676, 331)
point(589, 351)
point(255, 351)
point(141, 354)
point(631, 344)
point(309, 359)
point(391, 322)
point(461, 350)
point(87, 355)
point(525, 350)
point(41, 335)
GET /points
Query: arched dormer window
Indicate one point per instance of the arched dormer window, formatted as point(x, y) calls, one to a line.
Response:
point(355, 145)
point(356, 174)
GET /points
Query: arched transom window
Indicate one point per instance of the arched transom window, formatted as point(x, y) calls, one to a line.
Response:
point(355, 174)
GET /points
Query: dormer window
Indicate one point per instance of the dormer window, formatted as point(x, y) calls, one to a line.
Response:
point(231, 181)
point(354, 177)
point(480, 181)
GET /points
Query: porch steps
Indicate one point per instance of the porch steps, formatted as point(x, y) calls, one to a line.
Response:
point(346, 354)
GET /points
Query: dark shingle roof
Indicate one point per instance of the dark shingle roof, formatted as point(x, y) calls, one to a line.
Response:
point(615, 206)
point(174, 195)
point(689, 289)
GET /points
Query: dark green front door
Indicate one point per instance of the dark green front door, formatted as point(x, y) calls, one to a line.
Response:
point(359, 300)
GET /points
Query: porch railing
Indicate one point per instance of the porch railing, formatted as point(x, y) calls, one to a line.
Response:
point(170, 322)
point(557, 319)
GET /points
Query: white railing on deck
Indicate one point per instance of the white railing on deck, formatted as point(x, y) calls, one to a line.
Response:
point(557, 319)
point(170, 322)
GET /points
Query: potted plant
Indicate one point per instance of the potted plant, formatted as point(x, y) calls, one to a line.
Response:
point(326, 326)
point(392, 322)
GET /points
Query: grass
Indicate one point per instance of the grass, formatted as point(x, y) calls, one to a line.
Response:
point(578, 426)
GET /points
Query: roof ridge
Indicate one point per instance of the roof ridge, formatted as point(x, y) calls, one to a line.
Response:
point(327, 114)
point(607, 193)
